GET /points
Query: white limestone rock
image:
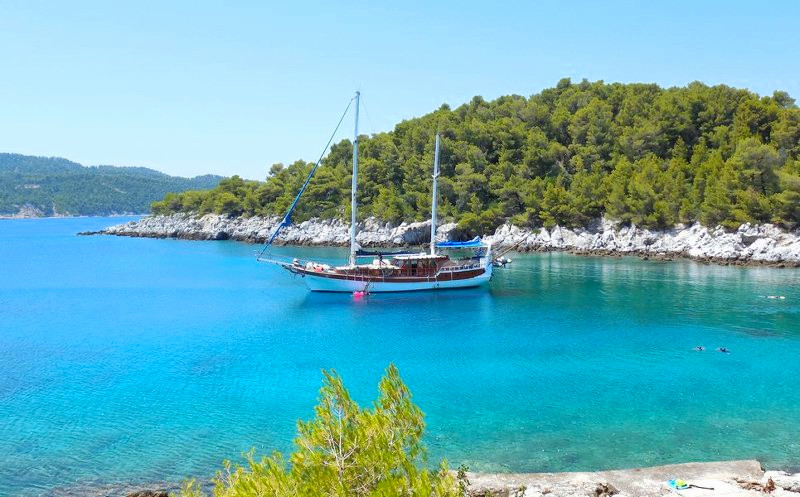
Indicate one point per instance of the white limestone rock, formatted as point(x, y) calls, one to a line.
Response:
point(783, 480)
point(765, 244)
point(446, 231)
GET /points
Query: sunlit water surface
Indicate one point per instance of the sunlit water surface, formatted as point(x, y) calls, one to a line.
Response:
point(134, 360)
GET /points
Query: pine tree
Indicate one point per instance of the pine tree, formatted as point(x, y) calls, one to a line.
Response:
point(345, 451)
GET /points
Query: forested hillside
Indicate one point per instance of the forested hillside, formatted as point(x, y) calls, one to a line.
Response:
point(635, 152)
point(55, 186)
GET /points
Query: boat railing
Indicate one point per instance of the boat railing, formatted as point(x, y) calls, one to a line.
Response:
point(462, 267)
point(297, 265)
point(401, 271)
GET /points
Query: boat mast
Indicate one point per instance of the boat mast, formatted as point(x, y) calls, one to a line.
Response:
point(353, 244)
point(434, 195)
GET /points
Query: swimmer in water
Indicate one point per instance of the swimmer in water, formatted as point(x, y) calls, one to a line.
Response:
point(699, 347)
point(724, 350)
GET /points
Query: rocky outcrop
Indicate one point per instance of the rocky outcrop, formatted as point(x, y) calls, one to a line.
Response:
point(750, 244)
point(25, 211)
point(784, 481)
point(724, 478)
point(764, 244)
point(371, 232)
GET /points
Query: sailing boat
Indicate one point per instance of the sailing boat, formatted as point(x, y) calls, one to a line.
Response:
point(391, 271)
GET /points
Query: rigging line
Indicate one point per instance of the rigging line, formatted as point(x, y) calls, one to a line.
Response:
point(287, 219)
point(366, 112)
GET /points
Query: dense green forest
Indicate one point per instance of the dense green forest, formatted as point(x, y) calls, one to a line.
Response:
point(637, 153)
point(52, 185)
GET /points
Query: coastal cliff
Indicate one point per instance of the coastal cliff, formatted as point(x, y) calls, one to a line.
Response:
point(750, 244)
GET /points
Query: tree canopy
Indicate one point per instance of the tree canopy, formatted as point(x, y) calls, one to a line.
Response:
point(638, 153)
point(345, 451)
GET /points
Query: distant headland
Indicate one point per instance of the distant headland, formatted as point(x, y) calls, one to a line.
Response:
point(54, 187)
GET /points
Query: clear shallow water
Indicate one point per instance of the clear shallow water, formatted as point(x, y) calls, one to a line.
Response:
point(126, 359)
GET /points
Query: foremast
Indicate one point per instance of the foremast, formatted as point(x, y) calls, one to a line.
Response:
point(353, 243)
point(434, 195)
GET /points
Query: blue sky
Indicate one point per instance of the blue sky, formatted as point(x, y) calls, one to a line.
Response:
point(232, 87)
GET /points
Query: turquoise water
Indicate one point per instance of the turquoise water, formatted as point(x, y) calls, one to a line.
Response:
point(134, 360)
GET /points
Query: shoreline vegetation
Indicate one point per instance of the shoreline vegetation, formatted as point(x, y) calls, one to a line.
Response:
point(345, 450)
point(637, 153)
point(764, 245)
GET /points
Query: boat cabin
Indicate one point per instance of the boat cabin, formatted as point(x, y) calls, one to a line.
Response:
point(418, 264)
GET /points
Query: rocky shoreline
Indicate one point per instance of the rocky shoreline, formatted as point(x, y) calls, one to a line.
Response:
point(730, 478)
point(749, 245)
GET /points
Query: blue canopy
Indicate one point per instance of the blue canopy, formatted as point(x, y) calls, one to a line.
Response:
point(475, 242)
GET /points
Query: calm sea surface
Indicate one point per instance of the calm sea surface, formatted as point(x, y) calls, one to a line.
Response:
point(134, 360)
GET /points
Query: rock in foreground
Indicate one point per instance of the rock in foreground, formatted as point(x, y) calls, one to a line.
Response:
point(730, 478)
point(733, 478)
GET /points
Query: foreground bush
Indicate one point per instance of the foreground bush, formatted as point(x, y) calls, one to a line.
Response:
point(345, 450)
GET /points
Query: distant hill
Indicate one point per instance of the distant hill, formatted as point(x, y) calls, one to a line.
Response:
point(48, 186)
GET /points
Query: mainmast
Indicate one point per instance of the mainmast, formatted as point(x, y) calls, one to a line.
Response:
point(353, 244)
point(434, 195)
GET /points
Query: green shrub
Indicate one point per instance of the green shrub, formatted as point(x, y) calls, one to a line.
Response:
point(345, 451)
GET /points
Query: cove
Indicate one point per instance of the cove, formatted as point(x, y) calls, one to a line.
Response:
point(134, 360)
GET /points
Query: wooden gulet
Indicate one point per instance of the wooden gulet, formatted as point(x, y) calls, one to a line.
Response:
point(390, 271)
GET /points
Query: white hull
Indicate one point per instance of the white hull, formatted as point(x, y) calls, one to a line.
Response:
point(326, 284)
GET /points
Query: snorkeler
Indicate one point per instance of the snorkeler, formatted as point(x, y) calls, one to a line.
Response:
point(724, 350)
